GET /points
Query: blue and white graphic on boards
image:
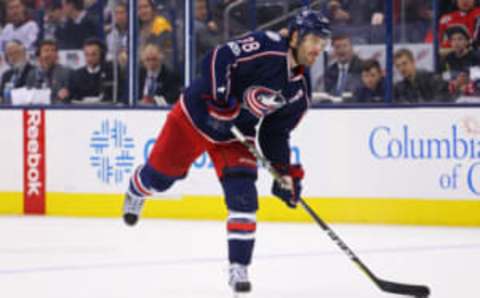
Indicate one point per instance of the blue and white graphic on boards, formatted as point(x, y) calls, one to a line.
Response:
point(112, 155)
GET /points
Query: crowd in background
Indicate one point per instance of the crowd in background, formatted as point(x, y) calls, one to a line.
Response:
point(34, 33)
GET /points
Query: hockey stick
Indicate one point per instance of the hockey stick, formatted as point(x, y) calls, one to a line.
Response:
point(418, 291)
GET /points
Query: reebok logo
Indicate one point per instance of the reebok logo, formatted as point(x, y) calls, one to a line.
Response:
point(34, 161)
point(33, 153)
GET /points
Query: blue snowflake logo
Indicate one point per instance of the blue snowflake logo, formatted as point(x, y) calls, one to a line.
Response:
point(112, 148)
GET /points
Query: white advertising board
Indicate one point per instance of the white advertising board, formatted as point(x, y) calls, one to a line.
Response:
point(95, 151)
point(388, 153)
point(391, 153)
point(11, 149)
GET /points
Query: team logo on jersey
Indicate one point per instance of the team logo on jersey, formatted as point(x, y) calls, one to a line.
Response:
point(262, 101)
point(112, 156)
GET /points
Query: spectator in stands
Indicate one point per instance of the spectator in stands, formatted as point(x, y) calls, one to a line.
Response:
point(52, 19)
point(50, 74)
point(354, 17)
point(32, 4)
point(94, 81)
point(16, 76)
point(19, 26)
point(154, 28)
point(465, 17)
point(445, 7)
point(343, 76)
point(117, 38)
point(372, 89)
point(122, 75)
point(417, 86)
point(92, 7)
point(354, 12)
point(238, 20)
point(412, 19)
point(337, 12)
point(77, 27)
point(415, 20)
point(158, 84)
point(463, 56)
point(461, 85)
point(206, 31)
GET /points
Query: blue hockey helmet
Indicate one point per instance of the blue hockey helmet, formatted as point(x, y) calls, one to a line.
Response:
point(310, 21)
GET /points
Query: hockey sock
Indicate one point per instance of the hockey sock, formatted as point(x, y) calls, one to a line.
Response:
point(241, 237)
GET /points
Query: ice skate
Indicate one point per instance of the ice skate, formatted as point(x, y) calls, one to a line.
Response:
point(238, 280)
point(132, 206)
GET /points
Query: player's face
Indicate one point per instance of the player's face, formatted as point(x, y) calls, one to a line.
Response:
point(310, 48)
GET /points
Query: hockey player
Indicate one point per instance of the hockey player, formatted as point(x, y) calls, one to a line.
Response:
point(262, 76)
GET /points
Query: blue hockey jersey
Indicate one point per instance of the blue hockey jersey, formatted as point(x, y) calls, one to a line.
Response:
point(237, 71)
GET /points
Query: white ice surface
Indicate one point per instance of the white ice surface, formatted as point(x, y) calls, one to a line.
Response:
point(45, 257)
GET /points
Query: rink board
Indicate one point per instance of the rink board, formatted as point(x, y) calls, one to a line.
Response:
point(411, 166)
point(11, 162)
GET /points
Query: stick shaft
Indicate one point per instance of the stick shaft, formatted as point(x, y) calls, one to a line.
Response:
point(391, 287)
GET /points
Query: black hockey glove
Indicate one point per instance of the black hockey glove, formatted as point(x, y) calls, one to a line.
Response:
point(290, 194)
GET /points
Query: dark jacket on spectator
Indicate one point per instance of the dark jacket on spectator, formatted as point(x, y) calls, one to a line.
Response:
point(456, 64)
point(72, 34)
point(363, 94)
point(168, 84)
point(426, 87)
point(17, 77)
point(353, 80)
point(57, 78)
point(97, 83)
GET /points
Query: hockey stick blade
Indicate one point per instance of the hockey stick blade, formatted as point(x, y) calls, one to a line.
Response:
point(418, 291)
point(403, 289)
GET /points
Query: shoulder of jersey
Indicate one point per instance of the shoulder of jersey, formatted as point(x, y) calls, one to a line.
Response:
point(271, 40)
point(273, 36)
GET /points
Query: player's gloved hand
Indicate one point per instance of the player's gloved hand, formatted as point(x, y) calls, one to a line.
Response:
point(289, 193)
point(222, 110)
point(262, 101)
